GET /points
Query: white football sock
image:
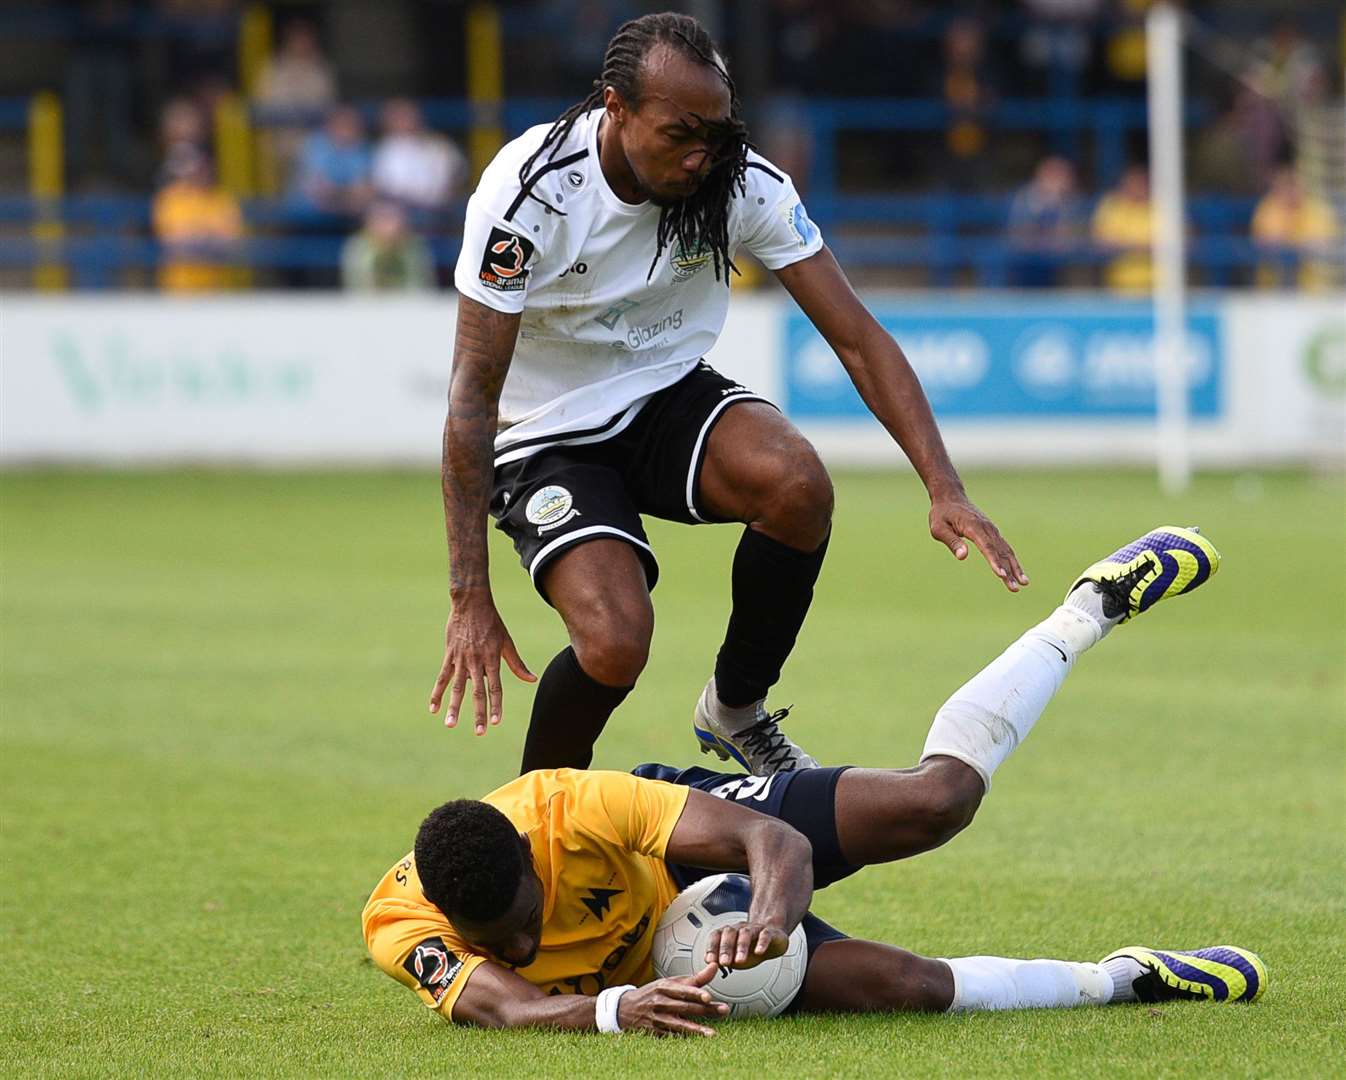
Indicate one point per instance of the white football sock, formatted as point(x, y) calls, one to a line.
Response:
point(995, 710)
point(1124, 972)
point(994, 982)
point(729, 719)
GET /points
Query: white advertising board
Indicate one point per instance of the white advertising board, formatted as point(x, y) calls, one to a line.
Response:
point(1291, 356)
point(294, 380)
point(266, 379)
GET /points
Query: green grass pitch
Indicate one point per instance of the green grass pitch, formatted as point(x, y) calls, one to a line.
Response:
point(215, 741)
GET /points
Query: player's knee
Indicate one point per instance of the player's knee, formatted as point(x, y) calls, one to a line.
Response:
point(920, 984)
point(612, 642)
point(950, 795)
point(798, 505)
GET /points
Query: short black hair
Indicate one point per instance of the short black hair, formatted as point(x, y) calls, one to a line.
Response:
point(470, 859)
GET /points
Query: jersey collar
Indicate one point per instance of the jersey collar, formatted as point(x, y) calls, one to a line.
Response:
point(610, 198)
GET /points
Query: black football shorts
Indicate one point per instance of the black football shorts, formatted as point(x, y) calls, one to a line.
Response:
point(564, 495)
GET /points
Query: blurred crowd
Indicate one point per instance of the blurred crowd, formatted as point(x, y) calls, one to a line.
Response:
point(383, 190)
point(336, 176)
point(1049, 220)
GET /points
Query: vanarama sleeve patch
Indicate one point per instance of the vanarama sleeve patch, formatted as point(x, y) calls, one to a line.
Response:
point(504, 261)
point(434, 966)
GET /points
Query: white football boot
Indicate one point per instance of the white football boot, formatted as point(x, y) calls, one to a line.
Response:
point(749, 735)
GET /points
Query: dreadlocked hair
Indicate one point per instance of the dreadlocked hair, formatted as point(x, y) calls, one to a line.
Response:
point(701, 220)
point(469, 859)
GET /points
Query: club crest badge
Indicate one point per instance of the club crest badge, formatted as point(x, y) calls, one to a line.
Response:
point(687, 263)
point(550, 507)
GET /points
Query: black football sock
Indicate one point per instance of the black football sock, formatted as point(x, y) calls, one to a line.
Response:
point(772, 589)
point(569, 712)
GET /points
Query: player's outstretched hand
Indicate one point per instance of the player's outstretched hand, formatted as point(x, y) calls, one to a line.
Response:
point(475, 639)
point(746, 945)
point(668, 1006)
point(954, 521)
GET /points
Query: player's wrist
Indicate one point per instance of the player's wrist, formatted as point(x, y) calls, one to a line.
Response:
point(606, 1007)
point(468, 594)
point(945, 488)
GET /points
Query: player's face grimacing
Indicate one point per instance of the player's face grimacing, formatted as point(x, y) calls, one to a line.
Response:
point(673, 137)
point(514, 937)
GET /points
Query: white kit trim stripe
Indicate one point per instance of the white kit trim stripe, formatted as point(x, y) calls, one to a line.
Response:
point(730, 399)
point(580, 534)
point(505, 455)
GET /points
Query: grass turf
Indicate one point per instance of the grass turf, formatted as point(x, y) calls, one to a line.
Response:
point(215, 741)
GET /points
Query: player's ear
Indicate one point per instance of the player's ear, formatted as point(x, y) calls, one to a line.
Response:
point(613, 105)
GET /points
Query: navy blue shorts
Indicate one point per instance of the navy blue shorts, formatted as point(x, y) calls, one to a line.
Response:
point(805, 800)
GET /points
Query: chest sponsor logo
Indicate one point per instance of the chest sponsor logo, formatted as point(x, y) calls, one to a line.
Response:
point(645, 335)
point(610, 318)
point(504, 262)
point(550, 507)
point(686, 262)
point(599, 901)
point(434, 966)
point(592, 982)
point(798, 220)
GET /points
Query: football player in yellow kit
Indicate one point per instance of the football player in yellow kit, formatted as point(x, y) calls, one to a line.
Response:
point(536, 906)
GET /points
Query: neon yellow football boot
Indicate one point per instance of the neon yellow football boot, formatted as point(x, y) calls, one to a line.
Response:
point(1218, 973)
point(1167, 561)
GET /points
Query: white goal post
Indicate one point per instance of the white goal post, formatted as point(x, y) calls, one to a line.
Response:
point(1163, 43)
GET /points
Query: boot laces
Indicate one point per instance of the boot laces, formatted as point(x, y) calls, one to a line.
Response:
point(765, 738)
point(1117, 592)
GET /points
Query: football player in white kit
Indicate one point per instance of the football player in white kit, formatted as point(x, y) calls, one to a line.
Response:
point(593, 278)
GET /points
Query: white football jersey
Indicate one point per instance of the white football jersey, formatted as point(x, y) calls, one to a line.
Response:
point(600, 333)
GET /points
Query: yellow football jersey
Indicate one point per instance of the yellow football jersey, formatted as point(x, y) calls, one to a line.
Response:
point(598, 842)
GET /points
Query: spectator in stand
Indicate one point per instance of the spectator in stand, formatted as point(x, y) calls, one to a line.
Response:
point(385, 255)
point(1123, 224)
point(1239, 152)
point(1046, 222)
point(1057, 44)
point(967, 90)
point(415, 166)
point(334, 167)
point(198, 224)
point(295, 83)
point(181, 123)
point(1293, 225)
point(1295, 74)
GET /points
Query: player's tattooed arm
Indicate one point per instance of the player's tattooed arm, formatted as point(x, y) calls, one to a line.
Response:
point(475, 638)
point(498, 998)
point(722, 835)
point(889, 386)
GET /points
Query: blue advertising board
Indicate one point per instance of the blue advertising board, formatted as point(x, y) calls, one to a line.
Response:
point(1058, 359)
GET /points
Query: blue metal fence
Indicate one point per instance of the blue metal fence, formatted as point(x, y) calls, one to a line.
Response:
point(950, 235)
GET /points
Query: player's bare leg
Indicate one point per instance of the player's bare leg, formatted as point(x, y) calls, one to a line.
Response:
point(888, 814)
point(866, 976)
point(759, 470)
point(599, 589)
